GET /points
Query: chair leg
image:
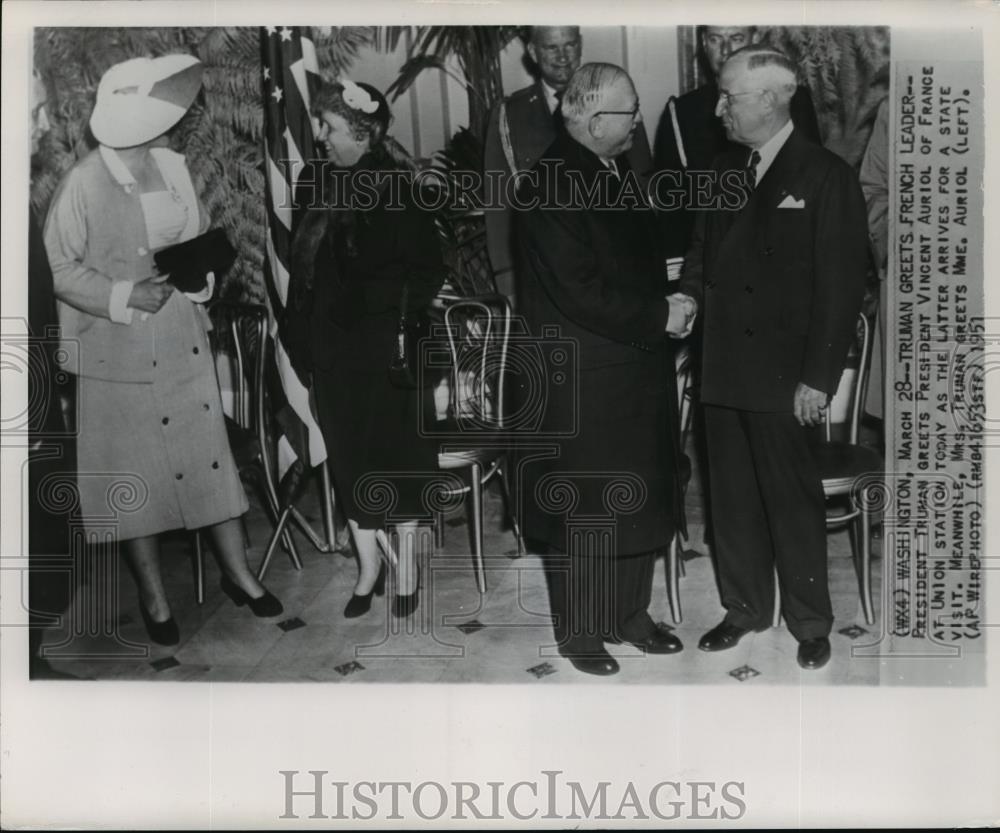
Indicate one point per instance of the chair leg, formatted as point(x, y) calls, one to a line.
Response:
point(280, 532)
point(866, 567)
point(776, 620)
point(476, 495)
point(199, 569)
point(673, 579)
point(327, 505)
point(508, 505)
point(439, 530)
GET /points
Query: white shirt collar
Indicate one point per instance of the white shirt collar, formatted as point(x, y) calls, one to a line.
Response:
point(550, 96)
point(118, 169)
point(769, 150)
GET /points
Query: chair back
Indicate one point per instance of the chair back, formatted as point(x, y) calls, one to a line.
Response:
point(683, 366)
point(478, 333)
point(239, 342)
point(850, 396)
point(463, 238)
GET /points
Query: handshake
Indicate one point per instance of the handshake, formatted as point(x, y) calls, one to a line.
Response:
point(683, 311)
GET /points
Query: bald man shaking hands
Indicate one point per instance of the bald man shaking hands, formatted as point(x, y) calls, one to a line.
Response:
point(779, 283)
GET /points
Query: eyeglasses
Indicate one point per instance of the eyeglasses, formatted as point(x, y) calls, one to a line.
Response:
point(632, 113)
point(728, 97)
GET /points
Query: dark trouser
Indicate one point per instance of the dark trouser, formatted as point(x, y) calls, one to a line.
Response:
point(768, 512)
point(599, 597)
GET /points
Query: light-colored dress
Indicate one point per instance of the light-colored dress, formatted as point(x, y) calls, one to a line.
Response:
point(153, 454)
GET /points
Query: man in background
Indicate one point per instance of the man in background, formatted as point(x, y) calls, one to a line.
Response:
point(522, 127)
point(690, 134)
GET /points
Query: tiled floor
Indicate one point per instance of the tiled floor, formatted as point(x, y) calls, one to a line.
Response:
point(455, 636)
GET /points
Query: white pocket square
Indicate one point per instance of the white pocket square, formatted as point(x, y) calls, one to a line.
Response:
point(791, 202)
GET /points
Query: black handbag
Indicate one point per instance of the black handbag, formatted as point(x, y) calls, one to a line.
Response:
point(189, 263)
point(404, 370)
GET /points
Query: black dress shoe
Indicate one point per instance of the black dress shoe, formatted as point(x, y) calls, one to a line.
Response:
point(659, 641)
point(162, 633)
point(360, 603)
point(814, 653)
point(597, 662)
point(263, 607)
point(722, 636)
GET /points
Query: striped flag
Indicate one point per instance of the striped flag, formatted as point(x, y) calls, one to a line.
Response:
point(289, 67)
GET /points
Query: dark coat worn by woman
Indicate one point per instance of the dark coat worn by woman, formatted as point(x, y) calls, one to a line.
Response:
point(357, 263)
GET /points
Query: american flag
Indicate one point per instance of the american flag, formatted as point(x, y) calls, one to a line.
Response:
point(290, 70)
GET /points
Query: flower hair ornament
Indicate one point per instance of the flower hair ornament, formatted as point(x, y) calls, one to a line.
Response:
point(358, 99)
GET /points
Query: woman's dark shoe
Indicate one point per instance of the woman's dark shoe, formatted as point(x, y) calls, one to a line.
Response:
point(162, 633)
point(266, 606)
point(360, 604)
point(403, 606)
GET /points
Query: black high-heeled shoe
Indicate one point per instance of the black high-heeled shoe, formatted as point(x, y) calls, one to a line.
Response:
point(360, 603)
point(162, 633)
point(403, 606)
point(263, 607)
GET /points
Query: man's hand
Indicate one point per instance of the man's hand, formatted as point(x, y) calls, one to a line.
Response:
point(150, 295)
point(683, 311)
point(809, 405)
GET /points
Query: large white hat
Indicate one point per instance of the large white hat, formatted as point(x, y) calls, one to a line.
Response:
point(140, 99)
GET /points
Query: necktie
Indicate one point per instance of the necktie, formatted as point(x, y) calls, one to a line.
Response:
point(752, 164)
point(557, 116)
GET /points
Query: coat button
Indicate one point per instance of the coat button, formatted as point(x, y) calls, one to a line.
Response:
point(215, 464)
point(710, 284)
point(166, 420)
point(195, 351)
point(769, 250)
point(205, 406)
point(179, 476)
point(748, 332)
point(748, 289)
point(142, 251)
point(154, 364)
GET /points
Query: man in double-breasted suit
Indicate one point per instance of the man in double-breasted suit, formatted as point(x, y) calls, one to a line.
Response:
point(779, 284)
point(600, 484)
point(521, 129)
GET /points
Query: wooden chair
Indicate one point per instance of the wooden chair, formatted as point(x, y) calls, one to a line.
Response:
point(685, 400)
point(239, 344)
point(478, 332)
point(844, 463)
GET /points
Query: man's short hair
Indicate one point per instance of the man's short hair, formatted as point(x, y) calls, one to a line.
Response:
point(586, 89)
point(528, 32)
point(760, 56)
point(701, 31)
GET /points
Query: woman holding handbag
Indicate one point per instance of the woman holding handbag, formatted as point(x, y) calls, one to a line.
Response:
point(152, 440)
point(370, 258)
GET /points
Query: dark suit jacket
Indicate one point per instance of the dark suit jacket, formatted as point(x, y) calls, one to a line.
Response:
point(704, 138)
point(595, 275)
point(532, 131)
point(779, 289)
